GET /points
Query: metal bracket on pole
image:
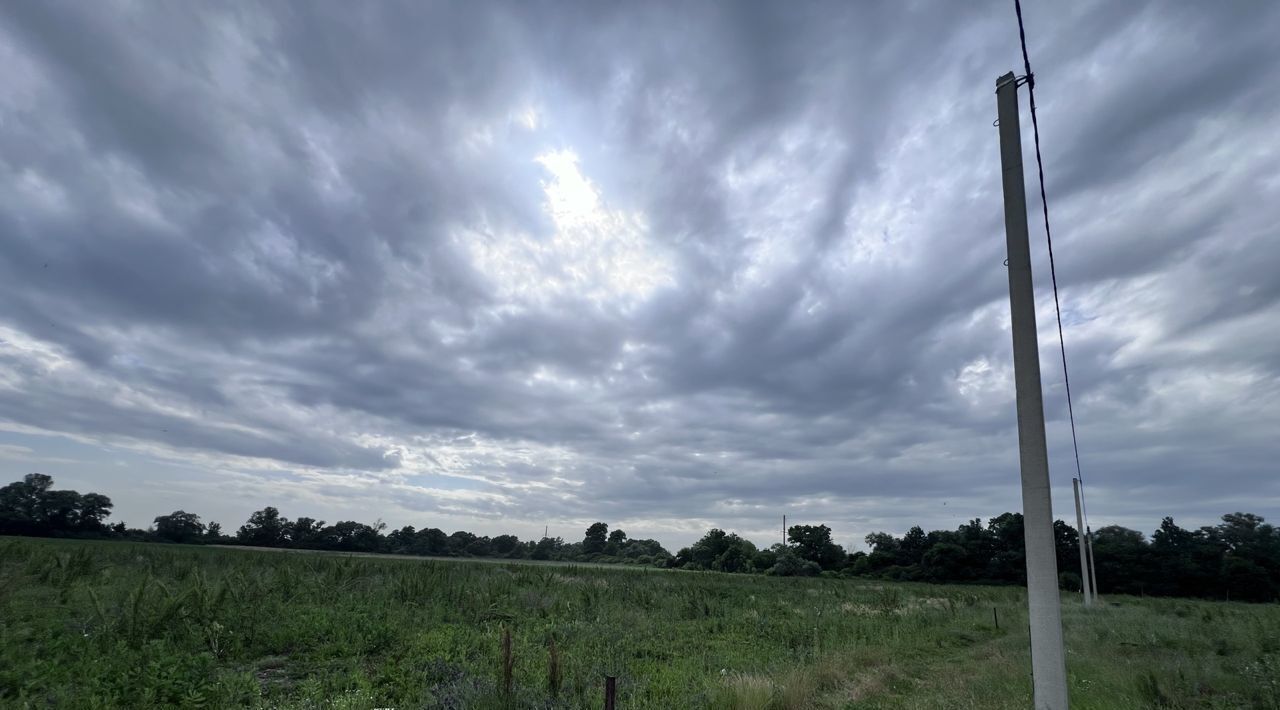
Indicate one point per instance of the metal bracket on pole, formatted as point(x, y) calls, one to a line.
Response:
point(1048, 662)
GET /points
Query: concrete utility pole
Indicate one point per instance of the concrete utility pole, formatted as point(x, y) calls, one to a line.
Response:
point(784, 531)
point(1048, 662)
point(1093, 565)
point(1083, 543)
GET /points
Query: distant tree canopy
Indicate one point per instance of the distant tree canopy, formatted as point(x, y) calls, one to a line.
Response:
point(596, 539)
point(179, 526)
point(265, 528)
point(813, 544)
point(719, 551)
point(1237, 559)
point(32, 507)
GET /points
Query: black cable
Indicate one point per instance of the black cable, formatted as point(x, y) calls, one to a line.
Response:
point(1053, 275)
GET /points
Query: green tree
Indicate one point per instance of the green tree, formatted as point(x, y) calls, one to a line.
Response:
point(645, 547)
point(1008, 560)
point(1242, 531)
point(884, 551)
point(459, 541)
point(548, 548)
point(94, 509)
point(946, 562)
point(431, 541)
point(179, 526)
point(22, 505)
point(351, 536)
point(60, 511)
point(306, 532)
point(401, 540)
point(506, 546)
point(765, 559)
point(32, 507)
point(683, 558)
point(1174, 561)
point(735, 558)
point(1122, 556)
point(481, 546)
point(913, 546)
point(813, 543)
point(265, 528)
point(725, 552)
point(1066, 545)
point(978, 542)
point(789, 564)
point(617, 539)
point(596, 538)
point(1251, 566)
point(1246, 580)
point(703, 553)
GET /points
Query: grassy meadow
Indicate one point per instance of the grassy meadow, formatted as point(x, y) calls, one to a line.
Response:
point(109, 624)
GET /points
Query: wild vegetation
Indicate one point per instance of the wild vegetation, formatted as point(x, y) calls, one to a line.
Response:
point(1238, 559)
point(100, 624)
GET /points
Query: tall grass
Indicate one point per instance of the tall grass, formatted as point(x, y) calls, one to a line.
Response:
point(105, 624)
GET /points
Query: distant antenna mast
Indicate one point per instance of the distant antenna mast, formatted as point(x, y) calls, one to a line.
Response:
point(784, 530)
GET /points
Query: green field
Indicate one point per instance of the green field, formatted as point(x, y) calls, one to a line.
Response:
point(109, 624)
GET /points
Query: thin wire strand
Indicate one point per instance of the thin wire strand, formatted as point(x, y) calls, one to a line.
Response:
point(1053, 274)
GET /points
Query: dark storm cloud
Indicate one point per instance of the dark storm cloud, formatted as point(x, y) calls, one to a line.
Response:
point(325, 238)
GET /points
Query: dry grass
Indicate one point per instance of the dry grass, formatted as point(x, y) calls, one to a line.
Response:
point(743, 691)
point(799, 688)
point(833, 681)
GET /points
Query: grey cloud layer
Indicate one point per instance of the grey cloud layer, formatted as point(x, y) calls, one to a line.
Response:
point(254, 234)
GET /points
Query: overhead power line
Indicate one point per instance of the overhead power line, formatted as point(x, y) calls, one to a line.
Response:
point(1030, 80)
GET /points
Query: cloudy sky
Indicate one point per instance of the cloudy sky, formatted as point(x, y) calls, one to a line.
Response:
point(667, 265)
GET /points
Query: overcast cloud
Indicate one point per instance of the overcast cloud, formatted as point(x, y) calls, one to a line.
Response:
point(667, 265)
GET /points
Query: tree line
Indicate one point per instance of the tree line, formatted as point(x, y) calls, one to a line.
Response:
point(1238, 558)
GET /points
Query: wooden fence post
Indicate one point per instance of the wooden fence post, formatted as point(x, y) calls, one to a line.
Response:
point(610, 693)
